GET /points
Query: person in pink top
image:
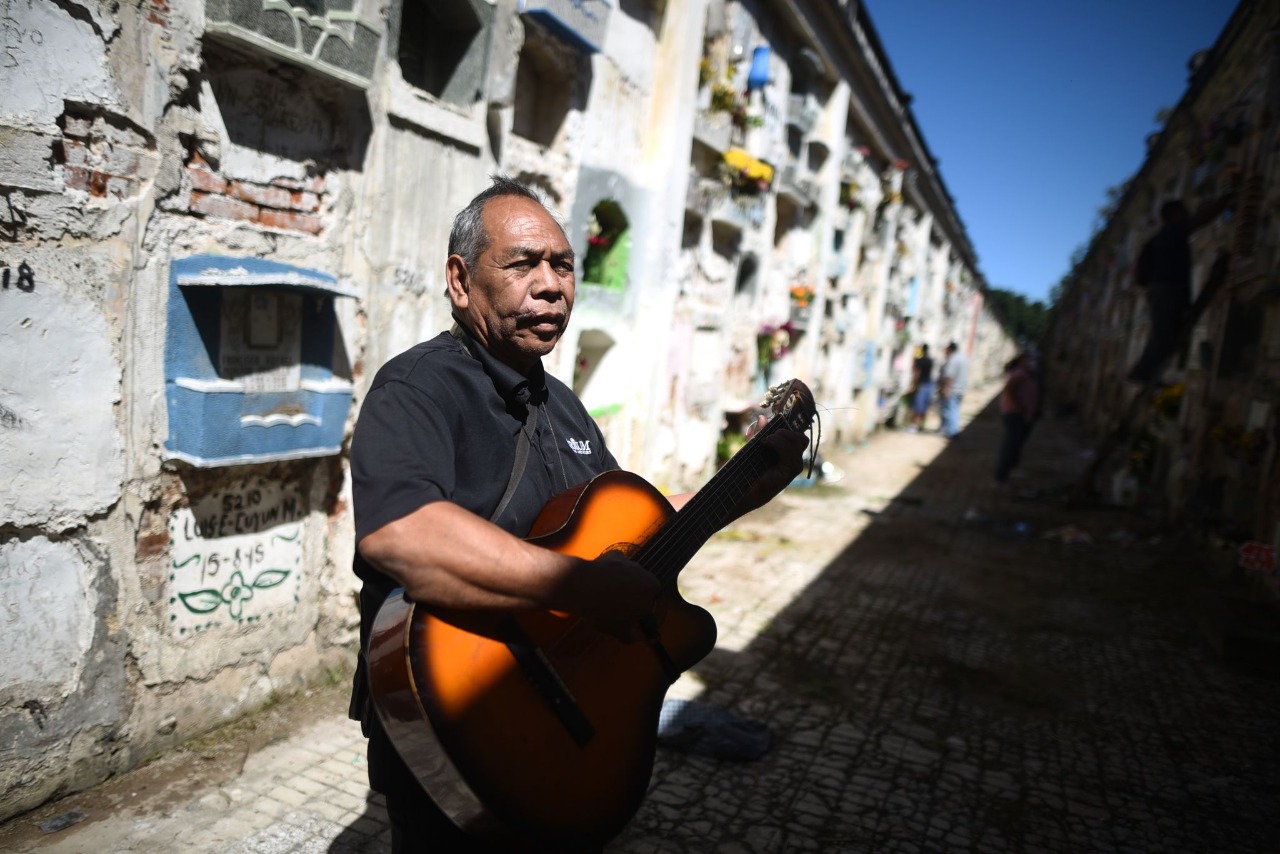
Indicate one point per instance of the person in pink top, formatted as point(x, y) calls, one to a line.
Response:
point(1018, 407)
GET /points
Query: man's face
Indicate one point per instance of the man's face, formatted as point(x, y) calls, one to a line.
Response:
point(518, 297)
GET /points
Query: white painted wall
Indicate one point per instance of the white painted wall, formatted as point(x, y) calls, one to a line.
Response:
point(50, 57)
point(60, 446)
point(48, 602)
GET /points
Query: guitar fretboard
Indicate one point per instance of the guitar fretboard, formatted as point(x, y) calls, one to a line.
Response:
point(667, 552)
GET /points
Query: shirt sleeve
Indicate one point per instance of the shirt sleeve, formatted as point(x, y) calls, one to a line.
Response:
point(402, 456)
point(607, 462)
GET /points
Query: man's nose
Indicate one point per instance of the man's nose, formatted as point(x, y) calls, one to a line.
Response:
point(546, 281)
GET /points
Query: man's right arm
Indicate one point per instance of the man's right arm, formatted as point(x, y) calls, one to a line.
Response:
point(446, 556)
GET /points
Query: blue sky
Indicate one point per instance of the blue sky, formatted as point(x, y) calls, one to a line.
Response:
point(1033, 109)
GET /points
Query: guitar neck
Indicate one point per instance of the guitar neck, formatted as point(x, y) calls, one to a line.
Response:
point(667, 552)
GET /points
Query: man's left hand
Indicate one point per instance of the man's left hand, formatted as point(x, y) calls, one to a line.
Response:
point(787, 449)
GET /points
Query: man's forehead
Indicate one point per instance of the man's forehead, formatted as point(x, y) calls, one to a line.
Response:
point(514, 223)
point(517, 210)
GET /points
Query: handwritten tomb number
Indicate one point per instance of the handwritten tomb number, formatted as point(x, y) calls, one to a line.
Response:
point(26, 281)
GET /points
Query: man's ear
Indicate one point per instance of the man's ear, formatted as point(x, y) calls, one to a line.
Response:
point(457, 280)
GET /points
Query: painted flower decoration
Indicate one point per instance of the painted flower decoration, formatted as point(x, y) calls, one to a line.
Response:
point(235, 593)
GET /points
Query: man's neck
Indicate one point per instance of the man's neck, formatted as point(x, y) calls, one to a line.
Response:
point(517, 362)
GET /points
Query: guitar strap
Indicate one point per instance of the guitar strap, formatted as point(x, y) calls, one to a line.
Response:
point(522, 457)
point(522, 443)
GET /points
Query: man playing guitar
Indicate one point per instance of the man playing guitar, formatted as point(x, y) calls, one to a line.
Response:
point(436, 513)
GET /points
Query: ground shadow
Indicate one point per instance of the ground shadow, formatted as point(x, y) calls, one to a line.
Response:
point(984, 670)
point(368, 834)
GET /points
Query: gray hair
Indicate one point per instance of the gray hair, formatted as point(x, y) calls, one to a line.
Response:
point(468, 237)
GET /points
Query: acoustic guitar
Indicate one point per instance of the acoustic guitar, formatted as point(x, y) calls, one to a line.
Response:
point(533, 726)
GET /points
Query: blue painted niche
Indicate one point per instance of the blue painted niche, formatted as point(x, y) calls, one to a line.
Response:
point(579, 23)
point(249, 367)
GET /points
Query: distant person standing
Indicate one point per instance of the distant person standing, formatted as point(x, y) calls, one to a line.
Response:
point(1019, 403)
point(921, 387)
point(953, 381)
point(1164, 272)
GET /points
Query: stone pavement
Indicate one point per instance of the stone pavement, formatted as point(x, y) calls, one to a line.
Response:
point(943, 667)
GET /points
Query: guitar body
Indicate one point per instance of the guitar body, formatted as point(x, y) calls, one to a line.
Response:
point(484, 739)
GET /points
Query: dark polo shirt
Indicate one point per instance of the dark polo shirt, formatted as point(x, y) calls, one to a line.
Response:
point(440, 423)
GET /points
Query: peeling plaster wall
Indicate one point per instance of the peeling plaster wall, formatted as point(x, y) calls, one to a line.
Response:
point(128, 143)
point(48, 592)
point(50, 57)
point(414, 184)
point(61, 663)
point(60, 446)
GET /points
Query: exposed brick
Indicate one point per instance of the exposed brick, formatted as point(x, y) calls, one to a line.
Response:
point(222, 206)
point(290, 220)
point(77, 178)
point(120, 187)
point(205, 180)
point(312, 183)
point(152, 545)
point(158, 12)
point(275, 197)
point(74, 152)
point(77, 126)
point(127, 137)
point(98, 183)
point(304, 202)
point(121, 161)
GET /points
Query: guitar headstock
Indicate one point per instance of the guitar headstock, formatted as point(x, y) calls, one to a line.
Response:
point(792, 402)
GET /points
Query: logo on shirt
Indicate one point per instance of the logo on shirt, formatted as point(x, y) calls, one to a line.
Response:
point(580, 447)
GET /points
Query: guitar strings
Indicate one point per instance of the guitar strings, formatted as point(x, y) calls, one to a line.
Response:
point(673, 539)
point(687, 532)
point(682, 533)
point(741, 470)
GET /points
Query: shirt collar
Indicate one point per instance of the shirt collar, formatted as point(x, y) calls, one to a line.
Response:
point(513, 386)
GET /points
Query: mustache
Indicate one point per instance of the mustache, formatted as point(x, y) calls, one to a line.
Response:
point(533, 318)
